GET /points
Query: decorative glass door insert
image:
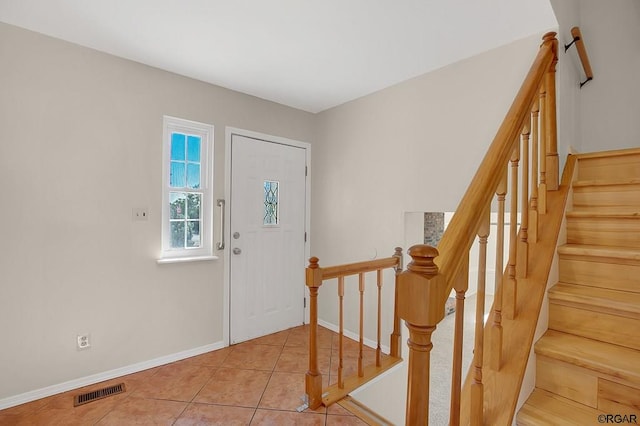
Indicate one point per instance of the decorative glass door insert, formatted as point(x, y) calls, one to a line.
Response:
point(271, 199)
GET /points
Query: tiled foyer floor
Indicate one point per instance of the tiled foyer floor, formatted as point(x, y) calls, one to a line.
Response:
point(259, 382)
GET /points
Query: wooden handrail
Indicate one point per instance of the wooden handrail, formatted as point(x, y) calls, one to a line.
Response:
point(582, 54)
point(459, 235)
point(349, 269)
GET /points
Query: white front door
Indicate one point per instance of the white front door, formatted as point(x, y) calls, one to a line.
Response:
point(267, 245)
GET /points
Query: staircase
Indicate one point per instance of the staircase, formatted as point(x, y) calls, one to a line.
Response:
point(588, 362)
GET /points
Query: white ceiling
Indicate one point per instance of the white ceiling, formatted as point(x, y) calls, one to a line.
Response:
point(308, 54)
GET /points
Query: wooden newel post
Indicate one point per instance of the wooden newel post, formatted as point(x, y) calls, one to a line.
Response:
point(421, 306)
point(313, 378)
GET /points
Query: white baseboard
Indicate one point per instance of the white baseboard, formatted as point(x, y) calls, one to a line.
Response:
point(106, 375)
point(354, 336)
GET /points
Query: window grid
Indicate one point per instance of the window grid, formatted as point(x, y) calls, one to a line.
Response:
point(187, 199)
point(186, 211)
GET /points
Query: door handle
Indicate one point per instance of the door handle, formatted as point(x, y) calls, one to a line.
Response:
point(237, 251)
point(220, 245)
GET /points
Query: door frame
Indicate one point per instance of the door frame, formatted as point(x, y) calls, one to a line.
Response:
point(229, 132)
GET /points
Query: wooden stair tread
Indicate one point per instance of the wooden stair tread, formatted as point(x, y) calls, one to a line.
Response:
point(546, 408)
point(588, 208)
point(608, 154)
point(578, 214)
point(605, 358)
point(615, 252)
point(611, 301)
point(603, 182)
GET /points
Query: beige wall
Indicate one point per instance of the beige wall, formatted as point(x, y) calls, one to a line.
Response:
point(610, 104)
point(80, 146)
point(568, 75)
point(603, 114)
point(386, 153)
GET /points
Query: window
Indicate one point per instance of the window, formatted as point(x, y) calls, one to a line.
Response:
point(187, 204)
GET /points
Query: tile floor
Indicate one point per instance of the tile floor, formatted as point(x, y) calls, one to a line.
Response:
point(259, 382)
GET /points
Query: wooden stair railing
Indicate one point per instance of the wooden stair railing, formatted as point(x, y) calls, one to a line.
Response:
point(315, 275)
point(526, 145)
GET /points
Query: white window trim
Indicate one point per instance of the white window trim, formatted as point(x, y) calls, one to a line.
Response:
point(205, 131)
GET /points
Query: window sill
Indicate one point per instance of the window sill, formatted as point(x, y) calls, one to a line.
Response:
point(185, 259)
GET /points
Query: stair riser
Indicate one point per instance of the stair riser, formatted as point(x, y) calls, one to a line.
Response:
point(623, 232)
point(625, 167)
point(600, 274)
point(586, 387)
point(614, 197)
point(567, 381)
point(617, 398)
point(600, 326)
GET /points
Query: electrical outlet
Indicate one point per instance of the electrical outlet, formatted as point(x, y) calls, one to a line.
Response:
point(83, 341)
point(140, 213)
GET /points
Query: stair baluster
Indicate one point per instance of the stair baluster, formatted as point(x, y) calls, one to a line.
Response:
point(496, 343)
point(477, 392)
point(523, 249)
point(341, 333)
point(361, 332)
point(533, 210)
point(378, 349)
point(511, 285)
point(542, 201)
point(461, 286)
